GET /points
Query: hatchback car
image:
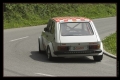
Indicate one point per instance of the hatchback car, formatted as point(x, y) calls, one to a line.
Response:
point(70, 37)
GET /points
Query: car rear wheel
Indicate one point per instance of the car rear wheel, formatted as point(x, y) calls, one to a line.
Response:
point(98, 58)
point(49, 54)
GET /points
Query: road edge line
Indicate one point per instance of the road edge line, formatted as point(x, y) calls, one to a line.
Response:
point(45, 74)
point(109, 54)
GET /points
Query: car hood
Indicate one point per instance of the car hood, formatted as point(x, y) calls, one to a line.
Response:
point(77, 39)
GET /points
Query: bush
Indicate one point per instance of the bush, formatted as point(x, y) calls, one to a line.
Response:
point(27, 14)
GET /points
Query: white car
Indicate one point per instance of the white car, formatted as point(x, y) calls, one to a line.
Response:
point(71, 37)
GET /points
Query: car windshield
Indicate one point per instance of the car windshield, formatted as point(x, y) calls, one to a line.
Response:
point(76, 29)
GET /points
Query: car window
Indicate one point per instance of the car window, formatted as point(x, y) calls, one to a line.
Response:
point(52, 27)
point(49, 26)
point(76, 29)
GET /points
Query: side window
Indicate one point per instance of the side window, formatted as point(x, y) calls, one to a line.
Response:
point(52, 27)
point(49, 26)
point(48, 23)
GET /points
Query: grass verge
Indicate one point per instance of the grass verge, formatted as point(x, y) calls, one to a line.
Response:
point(27, 14)
point(109, 44)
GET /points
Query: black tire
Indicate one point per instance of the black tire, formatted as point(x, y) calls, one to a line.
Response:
point(98, 58)
point(49, 57)
point(40, 51)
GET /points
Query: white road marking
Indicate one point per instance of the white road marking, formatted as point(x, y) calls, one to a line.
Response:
point(45, 74)
point(19, 38)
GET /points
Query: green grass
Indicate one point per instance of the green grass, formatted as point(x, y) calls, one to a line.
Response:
point(27, 14)
point(109, 44)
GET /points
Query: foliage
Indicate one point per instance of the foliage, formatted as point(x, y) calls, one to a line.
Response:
point(28, 14)
point(110, 44)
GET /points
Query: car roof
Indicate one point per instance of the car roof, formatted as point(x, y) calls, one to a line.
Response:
point(70, 19)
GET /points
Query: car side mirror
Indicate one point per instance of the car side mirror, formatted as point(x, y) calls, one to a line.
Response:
point(45, 29)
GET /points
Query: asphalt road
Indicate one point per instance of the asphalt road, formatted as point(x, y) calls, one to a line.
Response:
point(21, 56)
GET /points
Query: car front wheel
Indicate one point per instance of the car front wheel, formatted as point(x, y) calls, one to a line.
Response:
point(98, 58)
point(40, 51)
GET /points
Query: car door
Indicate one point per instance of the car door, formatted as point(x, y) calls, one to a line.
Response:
point(46, 37)
point(52, 33)
point(49, 34)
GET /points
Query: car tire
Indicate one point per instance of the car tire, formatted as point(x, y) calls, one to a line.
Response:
point(40, 51)
point(49, 57)
point(98, 58)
